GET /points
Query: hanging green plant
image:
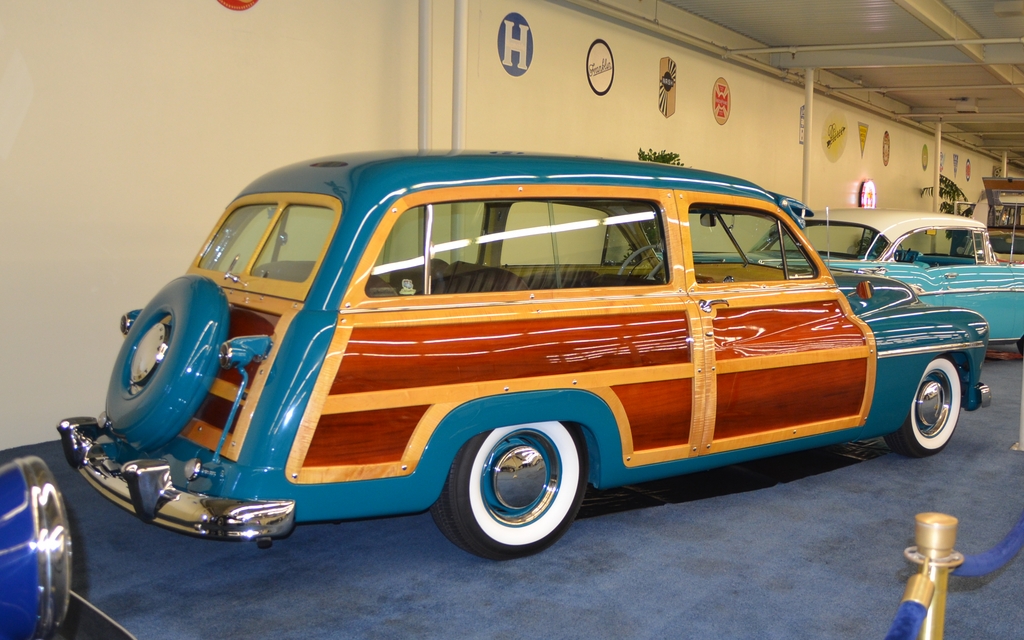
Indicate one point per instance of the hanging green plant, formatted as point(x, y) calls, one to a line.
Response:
point(662, 157)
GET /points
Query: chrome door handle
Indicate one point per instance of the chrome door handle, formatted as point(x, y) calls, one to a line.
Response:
point(950, 276)
point(707, 305)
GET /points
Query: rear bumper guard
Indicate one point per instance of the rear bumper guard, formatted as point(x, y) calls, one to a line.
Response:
point(144, 488)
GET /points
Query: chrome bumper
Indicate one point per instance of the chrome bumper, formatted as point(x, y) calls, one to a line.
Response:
point(144, 488)
point(984, 394)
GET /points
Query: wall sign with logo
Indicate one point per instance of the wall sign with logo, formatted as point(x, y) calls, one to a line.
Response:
point(956, 161)
point(863, 129)
point(721, 101)
point(885, 149)
point(967, 169)
point(834, 135)
point(868, 195)
point(600, 67)
point(238, 5)
point(924, 158)
point(515, 44)
point(803, 108)
point(667, 87)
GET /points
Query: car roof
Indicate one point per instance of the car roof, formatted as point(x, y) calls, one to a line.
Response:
point(893, 223)
point(384, 174)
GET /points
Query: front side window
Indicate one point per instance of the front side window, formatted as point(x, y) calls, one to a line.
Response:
point(508, 245)
point(738, 245)
point(846, 240)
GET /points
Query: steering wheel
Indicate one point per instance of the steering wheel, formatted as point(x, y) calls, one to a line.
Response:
point(658, 266)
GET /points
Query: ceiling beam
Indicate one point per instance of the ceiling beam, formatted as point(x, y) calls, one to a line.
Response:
point(944, 87)
point(935, 15)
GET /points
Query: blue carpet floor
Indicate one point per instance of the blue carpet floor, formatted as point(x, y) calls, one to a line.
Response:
point(819, 557)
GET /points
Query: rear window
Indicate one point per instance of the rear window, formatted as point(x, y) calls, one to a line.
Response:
point(489, 246)
point(261, 241)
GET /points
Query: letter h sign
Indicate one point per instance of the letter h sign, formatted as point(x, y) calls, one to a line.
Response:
point(515, 44)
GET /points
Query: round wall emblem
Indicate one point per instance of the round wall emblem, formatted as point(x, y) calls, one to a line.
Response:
point(667, 87)
point(721, 101)
point(833, 135)
point(238, 5)
point(600, 67)
point(515, 44)
point(885, 149)
point(967, 169)
point(924, 157)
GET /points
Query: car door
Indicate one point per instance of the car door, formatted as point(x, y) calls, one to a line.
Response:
point(786, 356)
point(477, 293)
point(961, 262)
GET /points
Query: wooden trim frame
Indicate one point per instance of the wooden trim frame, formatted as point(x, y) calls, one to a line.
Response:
point(208, 435)
point(265, 286)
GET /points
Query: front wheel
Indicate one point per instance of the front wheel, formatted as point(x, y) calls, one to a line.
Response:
point(933, 413)
point(514, 491)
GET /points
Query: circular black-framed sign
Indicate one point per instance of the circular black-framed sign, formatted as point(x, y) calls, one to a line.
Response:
point(600, 67)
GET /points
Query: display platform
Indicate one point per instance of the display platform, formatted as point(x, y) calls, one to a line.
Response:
point(811, 556)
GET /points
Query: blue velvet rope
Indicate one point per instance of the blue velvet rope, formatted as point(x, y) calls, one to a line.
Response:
point(907, 623)
point(995, 557)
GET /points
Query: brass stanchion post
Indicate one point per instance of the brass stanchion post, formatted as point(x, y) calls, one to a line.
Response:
point(935, 534)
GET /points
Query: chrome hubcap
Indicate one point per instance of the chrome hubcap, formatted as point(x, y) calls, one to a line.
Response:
point(149, 353)
point(932, 404)
point(521, 478)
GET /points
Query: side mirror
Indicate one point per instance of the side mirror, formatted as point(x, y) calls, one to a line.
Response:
point(707, 220)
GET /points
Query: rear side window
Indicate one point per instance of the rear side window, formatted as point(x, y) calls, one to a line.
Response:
point(489, 246)
point(739, 245)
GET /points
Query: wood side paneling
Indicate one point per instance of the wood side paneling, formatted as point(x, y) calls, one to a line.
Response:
point(754, 401)
point(401, 357)
point(659, 412)
point(364, 437)
point(779, 329)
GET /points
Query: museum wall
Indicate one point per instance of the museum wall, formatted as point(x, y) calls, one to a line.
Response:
point(126, 127)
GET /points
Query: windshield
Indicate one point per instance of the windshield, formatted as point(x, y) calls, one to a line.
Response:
point(846, 240)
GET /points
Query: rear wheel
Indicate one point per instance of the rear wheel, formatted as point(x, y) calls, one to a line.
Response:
point(513, 491)
point(933, 413)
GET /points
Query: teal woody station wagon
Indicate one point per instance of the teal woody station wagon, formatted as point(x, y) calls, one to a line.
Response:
point(484, 336)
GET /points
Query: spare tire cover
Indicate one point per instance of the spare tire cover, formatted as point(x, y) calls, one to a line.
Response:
point(163, 373)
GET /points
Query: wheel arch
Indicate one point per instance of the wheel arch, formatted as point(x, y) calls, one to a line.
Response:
point(577, 408)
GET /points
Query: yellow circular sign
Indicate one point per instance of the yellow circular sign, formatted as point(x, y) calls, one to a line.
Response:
point(834, 135)
point(924, 158)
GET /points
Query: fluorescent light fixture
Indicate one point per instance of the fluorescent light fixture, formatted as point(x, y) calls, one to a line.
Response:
point(1009, 8)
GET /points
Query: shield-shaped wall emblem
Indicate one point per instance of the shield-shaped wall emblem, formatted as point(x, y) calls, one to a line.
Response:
point(667, 87)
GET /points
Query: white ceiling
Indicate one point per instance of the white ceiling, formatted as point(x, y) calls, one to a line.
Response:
point(982, 73)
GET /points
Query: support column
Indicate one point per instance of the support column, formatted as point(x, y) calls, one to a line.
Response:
point(935, 171)
point(1004, 165)
point(426, 78)
point(459, 75)
point(805, 191)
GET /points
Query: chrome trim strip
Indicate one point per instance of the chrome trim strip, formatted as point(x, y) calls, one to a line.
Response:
point(955, 346)
point(976, 290)
point(180, 511)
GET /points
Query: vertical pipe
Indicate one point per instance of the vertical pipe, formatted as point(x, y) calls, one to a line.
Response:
point(935, 169)
point(459, 76)
point(805, 192)
point(1004, 165)
point(426, 73)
